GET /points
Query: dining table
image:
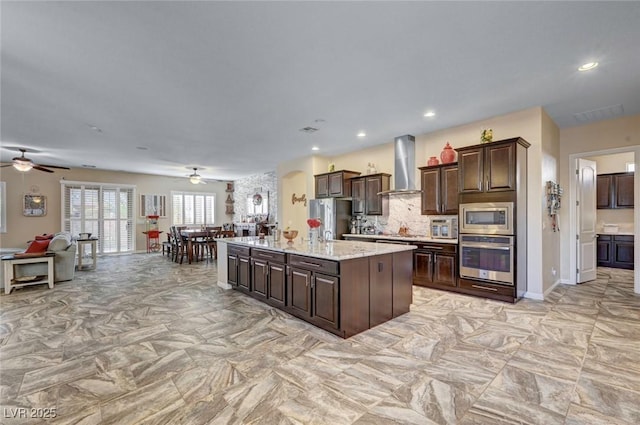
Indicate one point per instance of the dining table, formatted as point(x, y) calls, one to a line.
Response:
point(191, 235)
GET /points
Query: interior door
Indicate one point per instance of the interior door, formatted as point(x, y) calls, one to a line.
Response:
point(586, 214)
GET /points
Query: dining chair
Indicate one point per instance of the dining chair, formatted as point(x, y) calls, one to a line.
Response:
point(180, 245)
point(213, 233)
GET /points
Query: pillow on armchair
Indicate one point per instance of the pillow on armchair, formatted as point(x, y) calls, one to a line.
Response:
point(37, 246)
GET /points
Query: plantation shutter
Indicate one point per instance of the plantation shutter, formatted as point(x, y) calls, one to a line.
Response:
point(105, 211)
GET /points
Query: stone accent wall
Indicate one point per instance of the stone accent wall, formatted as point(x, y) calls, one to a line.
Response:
point(248, 186)
point(404, 209)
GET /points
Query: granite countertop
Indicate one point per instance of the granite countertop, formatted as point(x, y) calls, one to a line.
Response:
point(332, 250)
point(415, 238)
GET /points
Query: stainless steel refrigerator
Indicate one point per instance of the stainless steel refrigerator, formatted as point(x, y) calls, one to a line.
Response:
point(335, 215)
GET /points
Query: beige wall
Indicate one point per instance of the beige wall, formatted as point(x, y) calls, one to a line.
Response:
point(532, 125)
point(21, 229)
point(621, 134)
point(551, 267)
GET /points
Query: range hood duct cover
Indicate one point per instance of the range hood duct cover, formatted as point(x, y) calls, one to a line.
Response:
point(405, 166)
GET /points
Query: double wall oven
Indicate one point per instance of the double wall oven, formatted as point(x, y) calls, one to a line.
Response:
point(487, 242)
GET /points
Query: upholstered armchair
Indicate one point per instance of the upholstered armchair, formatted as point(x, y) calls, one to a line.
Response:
point(64, 263)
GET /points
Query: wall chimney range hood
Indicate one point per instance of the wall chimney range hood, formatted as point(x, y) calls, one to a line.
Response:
point(405, 167)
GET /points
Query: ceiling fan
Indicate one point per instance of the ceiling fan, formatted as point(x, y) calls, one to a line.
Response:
point(196, 178)
point(21, 163)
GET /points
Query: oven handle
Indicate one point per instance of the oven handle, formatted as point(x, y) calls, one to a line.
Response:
point(500, 247)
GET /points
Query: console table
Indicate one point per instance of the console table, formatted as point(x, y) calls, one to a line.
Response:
point(10, 261)
point(81, 243)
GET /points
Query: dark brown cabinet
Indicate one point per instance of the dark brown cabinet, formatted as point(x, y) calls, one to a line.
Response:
point(344, 297)
point(439, 185)
point(314, 295)
point(435, 265)
point(615, 251)
point(364, 194)
point(489, 167)
point(615, 191)
point(381, 290)
point(335, 184)
point(268, 276)
point(238, 270)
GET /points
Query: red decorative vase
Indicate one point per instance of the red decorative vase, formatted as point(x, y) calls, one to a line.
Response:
point(433, 161)
point(448, 154)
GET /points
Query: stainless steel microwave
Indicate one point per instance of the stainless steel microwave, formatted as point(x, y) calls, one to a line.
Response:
point(487, 218)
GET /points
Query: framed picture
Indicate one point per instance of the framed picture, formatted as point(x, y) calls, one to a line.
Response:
point(153, 205)
point(34, 206)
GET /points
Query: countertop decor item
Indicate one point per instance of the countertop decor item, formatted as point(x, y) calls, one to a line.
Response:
point(433, 161)
point(448, 154)
point(289, 235)
point(486, 136)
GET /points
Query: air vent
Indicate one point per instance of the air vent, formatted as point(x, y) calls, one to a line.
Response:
point(605, 113)
point(309, 129)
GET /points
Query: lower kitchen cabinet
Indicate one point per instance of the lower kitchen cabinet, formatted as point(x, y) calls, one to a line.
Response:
point(615, 251)
point(238, 267)
point(436, 265)
point(268, 276)
point(343, 297)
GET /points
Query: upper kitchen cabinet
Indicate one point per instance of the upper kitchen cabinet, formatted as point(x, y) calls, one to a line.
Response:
point(489, 167)
point(364, 194)
point(615, 191)
point(439, 185)
point(335, 184)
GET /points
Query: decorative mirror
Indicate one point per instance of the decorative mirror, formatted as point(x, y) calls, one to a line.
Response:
point(258, 203)
point(35, 205)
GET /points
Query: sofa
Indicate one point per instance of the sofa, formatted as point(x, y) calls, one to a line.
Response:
point(64, 263)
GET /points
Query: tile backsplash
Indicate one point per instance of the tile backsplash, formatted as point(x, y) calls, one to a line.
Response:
point(404, 210)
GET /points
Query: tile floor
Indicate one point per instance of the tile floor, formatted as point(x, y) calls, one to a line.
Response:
point(142, 340)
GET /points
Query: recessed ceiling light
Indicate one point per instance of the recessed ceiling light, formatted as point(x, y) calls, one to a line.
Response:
point(588, 66)
point(315, 148)
point(142, 148)
point(430, 114)
point(362, 134)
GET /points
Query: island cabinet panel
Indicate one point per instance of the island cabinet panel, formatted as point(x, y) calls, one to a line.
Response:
point(277, 285)
point(268, 276)
point(324, 300)
point(354, 296)
point(345, 296)
point(238, 267)
point(402, 288)
point(381, 289)
point(259, 273)
point(299, 292)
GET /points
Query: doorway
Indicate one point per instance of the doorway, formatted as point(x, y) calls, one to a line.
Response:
point(574, 213)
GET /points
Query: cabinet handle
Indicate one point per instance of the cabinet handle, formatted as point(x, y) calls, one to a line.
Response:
point(484, 288)
point(310, 264)
point(380, 267)
point(435, 248)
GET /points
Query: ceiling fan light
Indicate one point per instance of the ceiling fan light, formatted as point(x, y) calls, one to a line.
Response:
point(21, 165)
point(194, 179)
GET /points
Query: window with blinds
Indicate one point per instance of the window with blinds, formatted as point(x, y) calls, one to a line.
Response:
point(193, 209)
point(105, 211)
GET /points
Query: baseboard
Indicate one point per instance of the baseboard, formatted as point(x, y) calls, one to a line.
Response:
point(534, 296)
point(551, 288)
point(224, 285)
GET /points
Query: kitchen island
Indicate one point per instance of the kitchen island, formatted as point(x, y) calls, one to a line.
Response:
point(344, 287)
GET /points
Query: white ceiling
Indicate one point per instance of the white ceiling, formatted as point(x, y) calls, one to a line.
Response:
point(226, 86)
